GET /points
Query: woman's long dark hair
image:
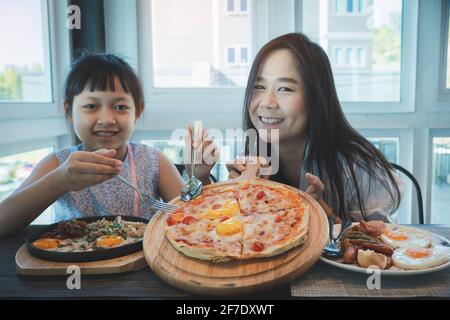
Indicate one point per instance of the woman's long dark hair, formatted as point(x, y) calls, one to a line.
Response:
point(333, 145)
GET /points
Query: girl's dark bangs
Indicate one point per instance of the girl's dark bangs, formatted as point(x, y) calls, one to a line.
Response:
point(105, 81)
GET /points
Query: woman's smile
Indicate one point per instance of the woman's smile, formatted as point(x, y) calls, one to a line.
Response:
point(270, 122)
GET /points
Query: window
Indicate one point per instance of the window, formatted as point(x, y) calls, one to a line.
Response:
point(244, 55)
point(374, 73)
point(237, 56)
point(244, 5)
point(354, 57)
point(338, 6)
point(230, 5)
point(360, 56)
point(440, 189)
point(338, 57)
point(348, 56)
point(231, 56)
point(190, 44)
point(349, 6)
point(389, 147)
point(237, 6)
point(24, 57)
point(15, 169)
point(360, 6)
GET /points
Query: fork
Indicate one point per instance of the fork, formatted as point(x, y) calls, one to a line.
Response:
point(153, 202)
point(194, 186)
point(332, 249)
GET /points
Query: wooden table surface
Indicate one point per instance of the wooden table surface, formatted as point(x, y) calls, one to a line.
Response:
point(144, 284)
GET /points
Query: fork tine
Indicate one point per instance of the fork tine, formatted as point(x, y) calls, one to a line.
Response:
point(161, 205)
point(153, 202)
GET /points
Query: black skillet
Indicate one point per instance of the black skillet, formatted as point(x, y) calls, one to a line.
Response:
point(95, 255)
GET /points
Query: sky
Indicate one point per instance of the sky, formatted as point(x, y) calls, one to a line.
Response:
point(21, 33)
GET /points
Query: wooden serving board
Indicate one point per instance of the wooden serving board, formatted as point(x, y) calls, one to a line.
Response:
point(234, 277)
point(28, 265)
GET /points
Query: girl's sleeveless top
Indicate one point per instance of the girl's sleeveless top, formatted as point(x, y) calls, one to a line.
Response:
point(112, 197)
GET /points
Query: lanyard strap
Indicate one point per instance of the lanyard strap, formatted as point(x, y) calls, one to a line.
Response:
point(133, 180)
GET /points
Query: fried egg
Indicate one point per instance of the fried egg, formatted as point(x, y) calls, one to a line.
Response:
point(229, 227)
point(107, 242)
point(419, 258)
point(228, 209)
point(402, 237)
point(47, 243)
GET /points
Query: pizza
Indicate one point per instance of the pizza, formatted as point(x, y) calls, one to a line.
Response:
point(250, 219)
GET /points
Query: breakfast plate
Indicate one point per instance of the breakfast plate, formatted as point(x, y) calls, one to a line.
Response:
point(355, 268)
point(408, 250)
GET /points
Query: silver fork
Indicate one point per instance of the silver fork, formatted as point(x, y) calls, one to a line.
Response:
point(153, 202)
point(332, 248)
point(193, 187)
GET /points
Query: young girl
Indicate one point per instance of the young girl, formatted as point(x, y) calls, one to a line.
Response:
point(291, 89)
point(103, 100)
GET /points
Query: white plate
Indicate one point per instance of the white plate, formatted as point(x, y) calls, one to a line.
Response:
point(437, 239)
point(355, 268)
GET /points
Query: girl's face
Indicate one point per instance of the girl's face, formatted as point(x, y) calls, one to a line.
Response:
point(278, 100)
point(104, 119)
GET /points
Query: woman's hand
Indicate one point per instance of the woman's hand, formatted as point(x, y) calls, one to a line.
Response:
point(83, 169)
point(206, 154)
point(238, 165)
point(315, 188)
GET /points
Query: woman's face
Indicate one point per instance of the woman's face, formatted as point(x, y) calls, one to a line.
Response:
point(104, 119)
point(278, 100)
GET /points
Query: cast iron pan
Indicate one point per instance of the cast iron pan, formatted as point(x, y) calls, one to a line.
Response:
point(88, 255)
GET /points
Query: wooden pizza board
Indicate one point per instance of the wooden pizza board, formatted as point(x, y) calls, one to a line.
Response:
point(234, 277)
point(28, 265)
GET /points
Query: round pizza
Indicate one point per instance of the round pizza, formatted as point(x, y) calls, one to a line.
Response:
point(250, 219)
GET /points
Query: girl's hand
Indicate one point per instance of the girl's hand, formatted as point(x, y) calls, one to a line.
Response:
point(236, 166)
point(205, 149)
point(84, 169)
point(315, 188)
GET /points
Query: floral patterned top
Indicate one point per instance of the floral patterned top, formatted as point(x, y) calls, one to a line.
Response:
point(112, 197)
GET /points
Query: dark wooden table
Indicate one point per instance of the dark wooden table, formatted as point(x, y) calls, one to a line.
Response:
point(143, 284)
point(321, 281)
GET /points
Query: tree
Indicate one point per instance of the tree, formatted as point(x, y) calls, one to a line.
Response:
point(10, 84)
point(387, 44)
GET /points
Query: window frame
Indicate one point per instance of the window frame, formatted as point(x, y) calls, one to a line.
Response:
point(353, 57)
point(165, 103)
point(23, 121)
point(237, 8)
point(56, 44)
point(434, 133)
point(405, 156)
point(355, 11)
point(406, 104)
point(227, 56)
point(444, 95)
